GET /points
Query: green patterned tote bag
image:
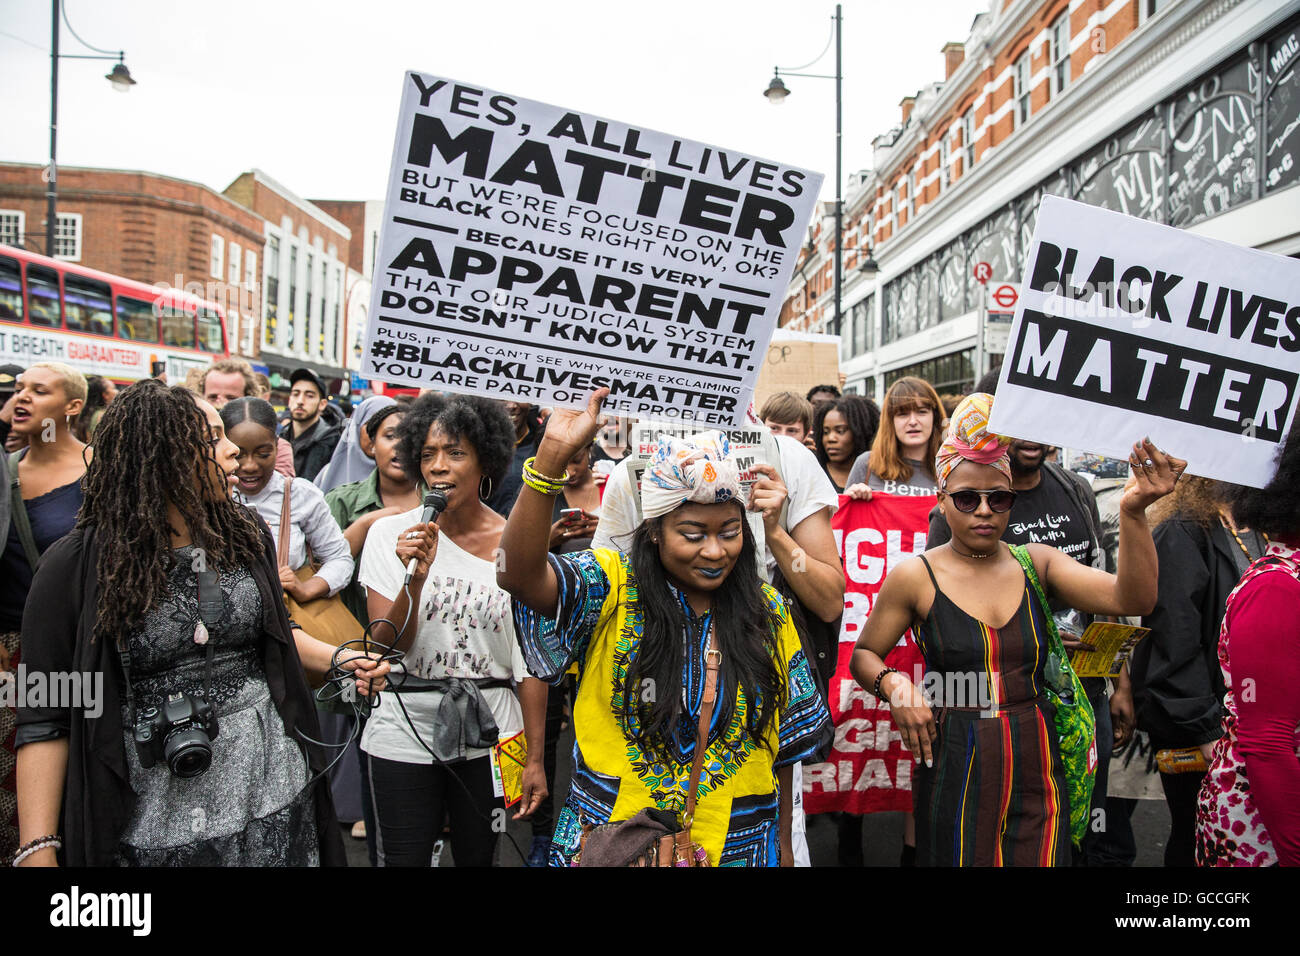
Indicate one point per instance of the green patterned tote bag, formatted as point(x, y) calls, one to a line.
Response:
point(1076, 725)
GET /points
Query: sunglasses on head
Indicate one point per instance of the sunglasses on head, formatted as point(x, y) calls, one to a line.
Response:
point(1000, 500)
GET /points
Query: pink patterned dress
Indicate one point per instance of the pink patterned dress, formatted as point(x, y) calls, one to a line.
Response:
point(1231, 816)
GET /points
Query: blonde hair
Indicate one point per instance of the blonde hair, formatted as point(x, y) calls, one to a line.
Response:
point(194, 380)
point(228, 367)
point(73, 382)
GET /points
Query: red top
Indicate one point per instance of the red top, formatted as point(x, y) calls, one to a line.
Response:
point(1249, 807)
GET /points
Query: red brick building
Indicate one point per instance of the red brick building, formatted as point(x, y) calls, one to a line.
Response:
point(147, 227)
point(305, 256)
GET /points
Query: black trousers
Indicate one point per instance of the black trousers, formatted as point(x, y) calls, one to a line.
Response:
point(1181, 791)
point(412, 801)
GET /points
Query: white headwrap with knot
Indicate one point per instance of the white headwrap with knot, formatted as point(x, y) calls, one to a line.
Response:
point(699, 469)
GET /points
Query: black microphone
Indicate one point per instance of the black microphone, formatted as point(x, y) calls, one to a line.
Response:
point(434, 502)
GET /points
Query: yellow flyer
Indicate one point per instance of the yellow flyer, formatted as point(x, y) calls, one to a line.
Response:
point(1113, 643)
point(511, 754)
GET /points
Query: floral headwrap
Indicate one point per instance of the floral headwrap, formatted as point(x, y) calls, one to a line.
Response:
point(969, 439)
point(699, 469)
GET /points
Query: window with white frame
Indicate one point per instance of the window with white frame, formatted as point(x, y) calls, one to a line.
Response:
point(13, 223)
point(911, 195)
point(250, 269)
point(893, 208)
point(234, 263)
point(218, 257)
point(1060, 53)
point(1023, 105)
point(945, 159)
point(67, 236)
point(968, 140)
point(1149, 8)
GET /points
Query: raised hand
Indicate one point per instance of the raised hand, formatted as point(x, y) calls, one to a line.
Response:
point(568, 429)
point(1153, 475)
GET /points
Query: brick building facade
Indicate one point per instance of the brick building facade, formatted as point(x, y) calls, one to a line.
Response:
point(148, 227)
point(1179, 111)
point(304, 258)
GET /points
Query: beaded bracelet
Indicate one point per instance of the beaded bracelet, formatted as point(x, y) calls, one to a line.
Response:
point(881, 676)
point(543, 484)
point(35, 846)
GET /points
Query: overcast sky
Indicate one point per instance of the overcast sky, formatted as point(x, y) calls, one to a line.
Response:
point(309, 92)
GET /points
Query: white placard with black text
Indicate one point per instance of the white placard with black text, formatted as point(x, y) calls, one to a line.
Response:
point(534, 253)
point(1126, 328)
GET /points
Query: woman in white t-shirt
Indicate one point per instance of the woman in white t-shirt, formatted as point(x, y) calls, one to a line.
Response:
point(429, 750)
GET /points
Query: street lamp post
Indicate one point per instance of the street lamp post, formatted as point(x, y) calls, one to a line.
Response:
point(120, 77)
point(776, 92)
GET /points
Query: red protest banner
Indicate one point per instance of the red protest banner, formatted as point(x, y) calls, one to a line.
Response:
point(869, 769)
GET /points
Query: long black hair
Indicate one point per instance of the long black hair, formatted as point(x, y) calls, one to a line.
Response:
point(153, 447)
point(1274, 509)
point(863, 417)
point(745, 628)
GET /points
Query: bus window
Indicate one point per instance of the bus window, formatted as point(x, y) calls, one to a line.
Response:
point(136, 320)
point(43, 296)
point(88, 305)
point(210, 331)
point(178, 327)
point(11, 290)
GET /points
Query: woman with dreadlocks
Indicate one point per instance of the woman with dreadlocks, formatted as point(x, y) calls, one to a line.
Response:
point(165, 599)
point(658, 634)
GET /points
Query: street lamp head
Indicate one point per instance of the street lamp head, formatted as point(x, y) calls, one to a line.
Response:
point(868, 267)
point(120, 77)
point(776, 91)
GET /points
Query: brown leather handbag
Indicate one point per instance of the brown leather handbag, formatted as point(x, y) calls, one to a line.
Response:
point(652, 837)
point(326, 619)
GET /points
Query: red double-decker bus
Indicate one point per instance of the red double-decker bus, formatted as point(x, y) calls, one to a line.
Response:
point(102, 324)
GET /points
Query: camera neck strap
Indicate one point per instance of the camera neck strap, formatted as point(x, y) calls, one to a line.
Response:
point(212, 607)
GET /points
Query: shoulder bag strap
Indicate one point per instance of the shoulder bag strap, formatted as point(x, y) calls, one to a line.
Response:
point(1063, 682)
point(712, 661)
point(18, 514)
point(282, 547)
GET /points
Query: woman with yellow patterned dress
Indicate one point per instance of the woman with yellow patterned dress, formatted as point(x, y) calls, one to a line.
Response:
point(680, 625)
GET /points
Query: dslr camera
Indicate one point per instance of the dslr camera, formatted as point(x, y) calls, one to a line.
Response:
point(180, 732)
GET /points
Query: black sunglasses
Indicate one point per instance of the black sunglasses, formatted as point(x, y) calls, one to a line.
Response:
point(1000, 501)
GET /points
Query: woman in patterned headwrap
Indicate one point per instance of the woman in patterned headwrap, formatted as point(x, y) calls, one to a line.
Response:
point(992, 787)
point(646, 630)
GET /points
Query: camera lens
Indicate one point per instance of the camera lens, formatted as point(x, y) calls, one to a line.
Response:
point(188, 752)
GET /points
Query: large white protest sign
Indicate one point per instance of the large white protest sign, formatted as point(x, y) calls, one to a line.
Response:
point(535, 253)
point(1126, 329)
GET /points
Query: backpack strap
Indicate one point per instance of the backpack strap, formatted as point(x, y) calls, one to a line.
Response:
point(282, 546)
point(18, 514)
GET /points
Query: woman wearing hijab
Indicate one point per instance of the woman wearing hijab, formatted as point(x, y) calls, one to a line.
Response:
point(992, 790)
point(658, 634)
point(354, 456)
